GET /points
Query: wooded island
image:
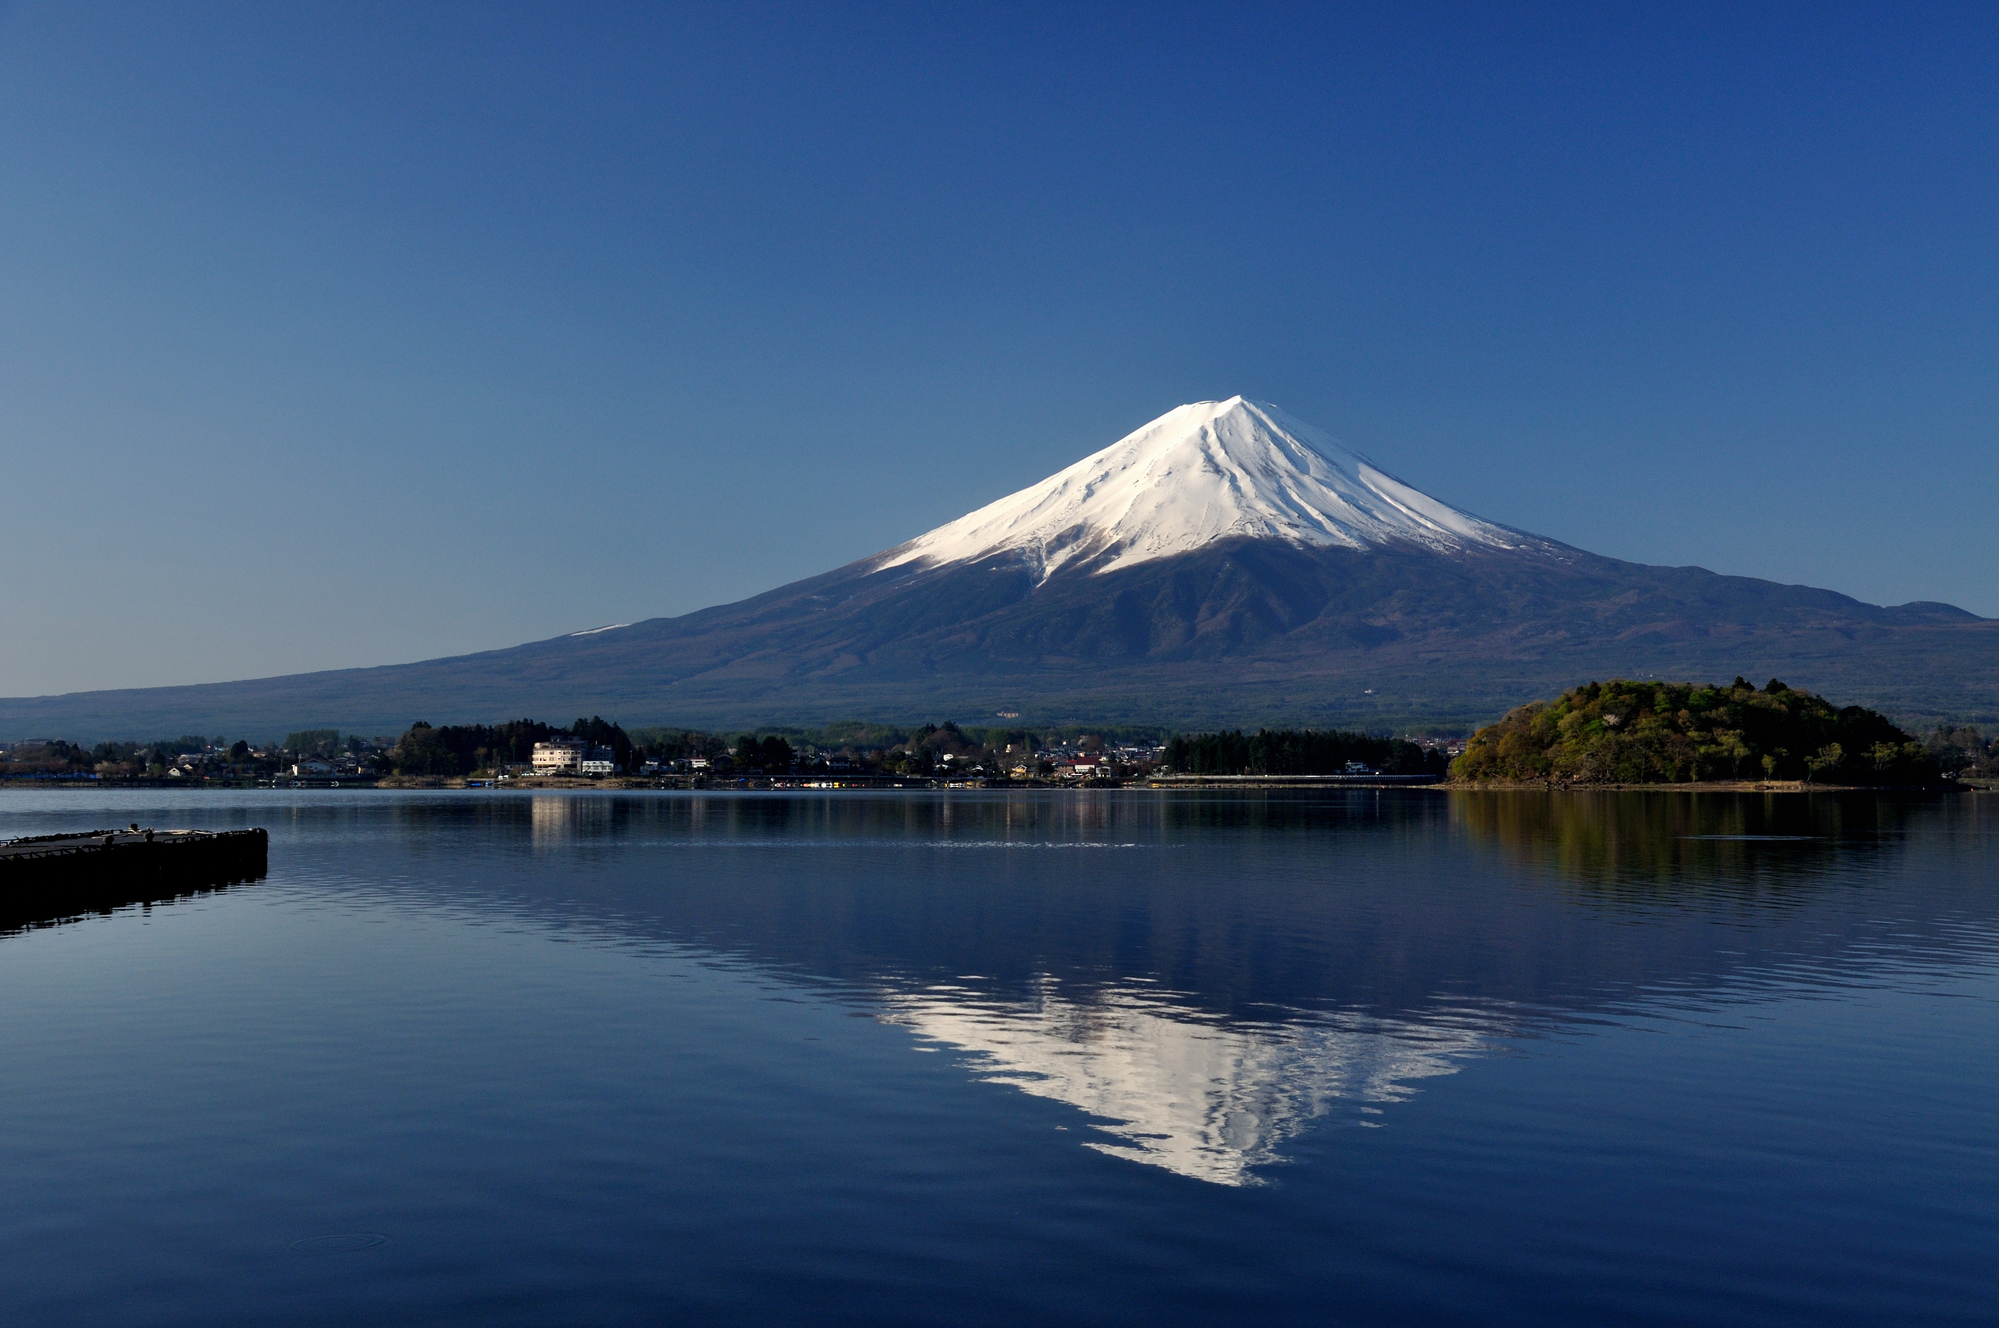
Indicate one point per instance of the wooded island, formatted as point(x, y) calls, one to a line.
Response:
point(1642, 732)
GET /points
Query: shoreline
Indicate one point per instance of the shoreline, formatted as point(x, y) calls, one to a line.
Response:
point(1719, 786)
point(917, 783)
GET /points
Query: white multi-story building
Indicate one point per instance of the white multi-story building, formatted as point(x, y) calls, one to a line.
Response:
point(560, 756)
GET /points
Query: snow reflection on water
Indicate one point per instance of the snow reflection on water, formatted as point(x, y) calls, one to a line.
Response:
point(1201, 1097)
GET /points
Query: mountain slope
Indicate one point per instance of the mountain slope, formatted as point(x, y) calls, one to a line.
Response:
point(1225, 564)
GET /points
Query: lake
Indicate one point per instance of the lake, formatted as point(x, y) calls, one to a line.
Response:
point(991, 1058)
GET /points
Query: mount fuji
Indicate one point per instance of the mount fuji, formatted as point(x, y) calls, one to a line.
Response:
point(1225, 564)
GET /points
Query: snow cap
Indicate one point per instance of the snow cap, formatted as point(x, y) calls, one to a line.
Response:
point(1207, 471)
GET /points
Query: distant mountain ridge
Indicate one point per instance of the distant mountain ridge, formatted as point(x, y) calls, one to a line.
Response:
point(1225, 564)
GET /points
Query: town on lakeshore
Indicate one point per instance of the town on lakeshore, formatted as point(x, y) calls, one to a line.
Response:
point(594, 752)
point(1618, 733)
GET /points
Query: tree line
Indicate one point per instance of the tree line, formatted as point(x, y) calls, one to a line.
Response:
point(152, 759)
point(461, 749)
point(1962, 750)
point(1296, 752)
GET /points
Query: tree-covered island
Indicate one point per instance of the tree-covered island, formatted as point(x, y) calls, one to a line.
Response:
point(1640, 732)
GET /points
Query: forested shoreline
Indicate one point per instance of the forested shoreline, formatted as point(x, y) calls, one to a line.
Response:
point(1616, 732)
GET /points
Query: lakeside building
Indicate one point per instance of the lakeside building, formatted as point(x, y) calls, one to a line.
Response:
point(560, 755)
point(599, 761)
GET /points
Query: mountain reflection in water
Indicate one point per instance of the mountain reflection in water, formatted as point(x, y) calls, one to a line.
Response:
point(1206, 975)
point(1199, 1096)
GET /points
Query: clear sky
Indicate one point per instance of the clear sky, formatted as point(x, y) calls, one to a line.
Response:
point(384, 332)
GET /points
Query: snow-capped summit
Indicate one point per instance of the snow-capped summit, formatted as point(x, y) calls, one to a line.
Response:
point(1207, 471)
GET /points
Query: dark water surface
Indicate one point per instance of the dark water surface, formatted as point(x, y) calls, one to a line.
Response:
point(1353, 1057)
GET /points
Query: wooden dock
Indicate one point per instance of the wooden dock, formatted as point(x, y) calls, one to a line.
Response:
point(45, 878)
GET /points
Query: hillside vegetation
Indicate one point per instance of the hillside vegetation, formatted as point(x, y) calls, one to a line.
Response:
point(1626, 732)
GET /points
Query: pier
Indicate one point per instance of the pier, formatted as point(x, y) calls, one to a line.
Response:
point(45, 878)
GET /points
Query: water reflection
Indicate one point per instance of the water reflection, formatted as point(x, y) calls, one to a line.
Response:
point(1201, 1097)
point(1684, 844)
point(549, 820)
point(557, 821)
point(1204, 975)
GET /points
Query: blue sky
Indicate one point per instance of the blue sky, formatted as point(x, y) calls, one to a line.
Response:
point(379, 333)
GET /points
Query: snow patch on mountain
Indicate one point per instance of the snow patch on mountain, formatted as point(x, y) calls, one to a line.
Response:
point(1207, 471)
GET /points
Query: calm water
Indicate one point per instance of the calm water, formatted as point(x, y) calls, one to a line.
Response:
point(967, 1058)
